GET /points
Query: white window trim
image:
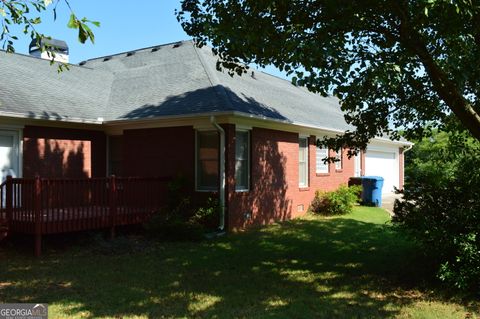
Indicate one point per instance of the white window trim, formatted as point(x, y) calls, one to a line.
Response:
point(197, 189)
point(17, 143)
point(306, 162)
point(317, 171)
point(337, 152)
point(247, 189)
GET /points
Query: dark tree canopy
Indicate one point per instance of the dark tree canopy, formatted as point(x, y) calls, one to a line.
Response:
point(414, 64)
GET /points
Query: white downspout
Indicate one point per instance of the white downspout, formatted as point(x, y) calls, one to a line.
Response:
point(408, 148)
point(221, 131)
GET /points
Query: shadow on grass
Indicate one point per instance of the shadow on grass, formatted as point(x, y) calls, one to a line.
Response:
point(303, 268)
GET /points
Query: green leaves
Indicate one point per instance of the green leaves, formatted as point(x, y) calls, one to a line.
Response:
point(73, 22)
point(389, 63)
point(441, 206)
point(84, 31)
point(19, 12)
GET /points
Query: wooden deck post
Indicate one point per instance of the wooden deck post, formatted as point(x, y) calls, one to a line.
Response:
point(113, 205)
point(9, 200)
point(38, 216)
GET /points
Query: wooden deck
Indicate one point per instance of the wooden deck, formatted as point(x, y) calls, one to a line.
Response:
point(51, 206)
point(64, 220)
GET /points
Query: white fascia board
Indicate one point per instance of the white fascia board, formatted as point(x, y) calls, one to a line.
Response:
point(7, 125)
point(56, 119)
point(21, 122)
point(314, 128)
point(386, 141)
point(245, 120)
point(240, 119)
point(160, 119)
point(198, 121)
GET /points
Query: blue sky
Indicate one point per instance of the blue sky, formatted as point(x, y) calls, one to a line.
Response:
point(125, 26)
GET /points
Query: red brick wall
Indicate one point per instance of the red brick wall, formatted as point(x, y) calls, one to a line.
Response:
point(163, 152)
point(159, 152)
point(274, 193)
point(58, 152)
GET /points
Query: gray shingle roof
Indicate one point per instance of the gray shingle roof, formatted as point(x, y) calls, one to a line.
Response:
point(33, 88)
point(168, 80)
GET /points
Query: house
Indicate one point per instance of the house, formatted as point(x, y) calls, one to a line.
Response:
point(167, 110)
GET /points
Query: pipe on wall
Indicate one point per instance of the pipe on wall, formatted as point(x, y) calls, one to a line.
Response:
point(221, 132)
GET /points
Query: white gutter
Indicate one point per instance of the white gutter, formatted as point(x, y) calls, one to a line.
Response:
point(122, 122)
point(221, 131)
point(54, 118)
point(408, 148)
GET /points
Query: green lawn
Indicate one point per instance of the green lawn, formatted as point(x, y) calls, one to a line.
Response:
point(354, 266)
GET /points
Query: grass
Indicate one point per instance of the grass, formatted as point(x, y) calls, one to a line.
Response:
point(355, 266)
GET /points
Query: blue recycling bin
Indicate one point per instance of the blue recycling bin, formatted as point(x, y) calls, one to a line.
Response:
point(372, 190)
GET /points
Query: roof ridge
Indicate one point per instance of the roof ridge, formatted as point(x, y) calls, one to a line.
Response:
point(23, 55)
point(106, 109)
point(136, 50)
point(213, 79)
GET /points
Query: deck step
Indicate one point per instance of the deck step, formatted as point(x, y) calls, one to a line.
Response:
point(3, 229)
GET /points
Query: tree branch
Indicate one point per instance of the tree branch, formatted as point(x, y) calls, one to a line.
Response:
point(445, 88)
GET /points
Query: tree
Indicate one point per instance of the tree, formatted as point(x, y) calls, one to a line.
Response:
point(441, 206)
point(24, 14)
point(410, 63)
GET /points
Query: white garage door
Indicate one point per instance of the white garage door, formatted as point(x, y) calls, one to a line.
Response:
point(384, 164)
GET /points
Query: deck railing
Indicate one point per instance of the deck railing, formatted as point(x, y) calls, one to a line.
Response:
point(46, 206)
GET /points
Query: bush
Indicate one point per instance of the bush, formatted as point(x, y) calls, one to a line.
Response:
point(180, 219)
point(175, 229)
point(441, 206)
point(338, 202)
point(208, 215)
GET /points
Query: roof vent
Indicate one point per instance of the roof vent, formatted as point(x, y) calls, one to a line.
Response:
point(83, 63)
point(108, 58)
point(178, 44)
point(155, 49)
point(48, 48)
point(253, 75)
point(130, 53)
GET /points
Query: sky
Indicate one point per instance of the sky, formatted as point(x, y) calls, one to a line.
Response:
point(125, 26)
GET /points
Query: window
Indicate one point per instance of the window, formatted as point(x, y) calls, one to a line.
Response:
point(303, 162)
point(9, 154)
point(322, 167)
point(242, 160)
point(207, 160)
point(115, 152)
point(338, 160)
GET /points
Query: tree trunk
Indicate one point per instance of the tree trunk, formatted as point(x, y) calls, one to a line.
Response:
point(445, 88)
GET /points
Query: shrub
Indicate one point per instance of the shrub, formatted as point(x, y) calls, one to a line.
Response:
point(180, 219)
point(338, 202)
point(174, 229)
point(441, 207)
point(208, 214)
